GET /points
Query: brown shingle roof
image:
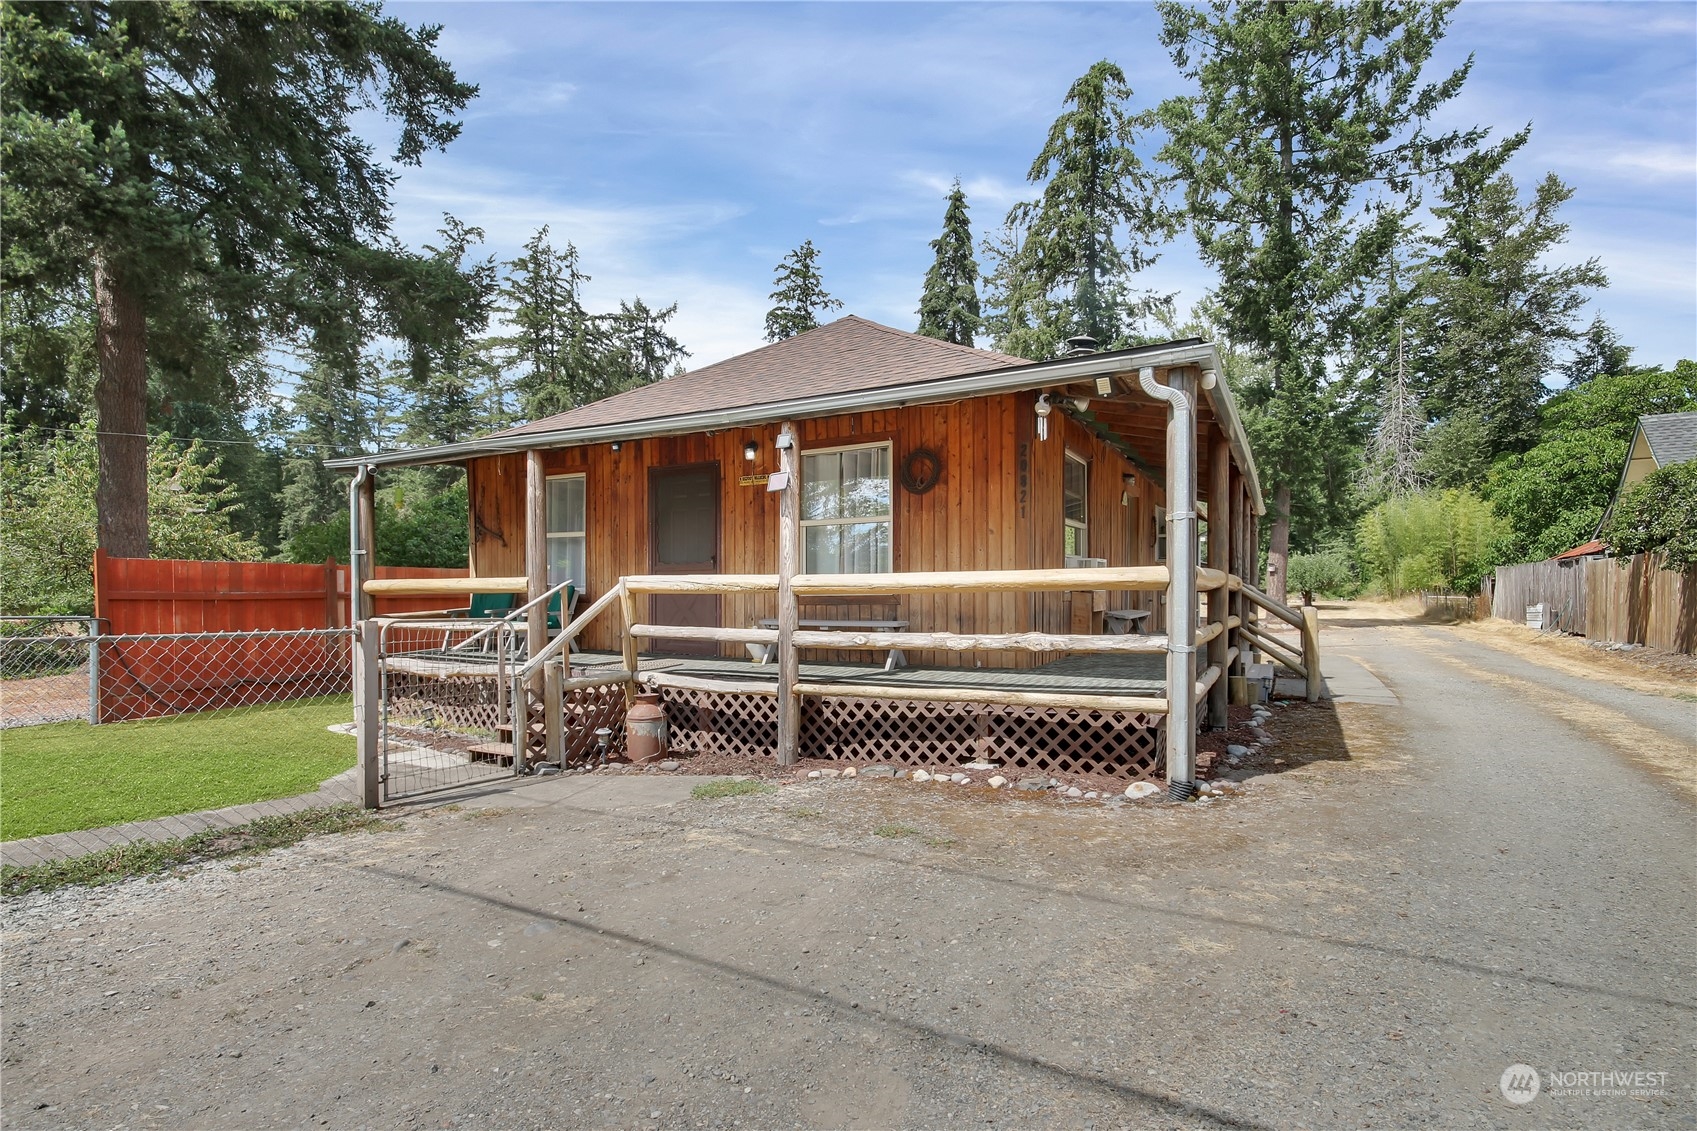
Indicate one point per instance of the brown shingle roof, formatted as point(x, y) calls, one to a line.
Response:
point(849, 355)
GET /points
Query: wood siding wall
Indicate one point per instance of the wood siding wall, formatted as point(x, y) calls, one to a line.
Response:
point(997, 505)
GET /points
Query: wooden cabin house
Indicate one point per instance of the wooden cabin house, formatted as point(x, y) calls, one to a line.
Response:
point(840, 486)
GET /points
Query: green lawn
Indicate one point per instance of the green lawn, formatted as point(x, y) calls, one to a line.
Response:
point(67, 776)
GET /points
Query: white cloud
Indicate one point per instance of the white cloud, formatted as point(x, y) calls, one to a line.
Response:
point(1658, 162)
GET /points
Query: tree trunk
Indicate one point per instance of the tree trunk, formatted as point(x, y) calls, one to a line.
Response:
point(1278, 552)
point(120, 401)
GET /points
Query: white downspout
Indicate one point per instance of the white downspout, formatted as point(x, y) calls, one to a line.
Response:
point(359, 569)
point(1181, 590)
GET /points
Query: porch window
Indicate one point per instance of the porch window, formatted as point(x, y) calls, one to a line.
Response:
point(1075, 491)
point(567, 533)
point(845, 510)
point(1160, 534)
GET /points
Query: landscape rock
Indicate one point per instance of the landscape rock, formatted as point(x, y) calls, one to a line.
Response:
point(1074, 791)
point(998, 781)
point(879, 772)
point(1032, 784)
point(921, 776)
point(831, 773)
point(1236, 751)
point(1091, 796)
point(1141, 789)
point(851, 772)
point(814, 775)
point(670, 766)
point(959, 779)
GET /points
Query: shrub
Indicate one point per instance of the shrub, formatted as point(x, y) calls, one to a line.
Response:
point(1659, 515)
point(1328, 572)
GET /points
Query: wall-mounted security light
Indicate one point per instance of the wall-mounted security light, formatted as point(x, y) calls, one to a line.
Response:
point(750, 450)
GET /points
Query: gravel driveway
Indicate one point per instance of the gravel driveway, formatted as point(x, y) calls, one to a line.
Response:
point(1420, 896)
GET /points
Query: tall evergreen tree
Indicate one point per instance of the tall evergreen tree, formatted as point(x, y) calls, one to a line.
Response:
point(1600, 353)
point(551, 339)
point(1098, 219)
point(196, 167)
point(1302, 108)
point(446, 370)
point(948, 307)
point(640, 348)
point(1494, 313)
point(800, 296)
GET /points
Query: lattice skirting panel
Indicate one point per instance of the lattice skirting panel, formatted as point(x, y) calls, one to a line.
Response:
point(1038, 739)
point(587, 710)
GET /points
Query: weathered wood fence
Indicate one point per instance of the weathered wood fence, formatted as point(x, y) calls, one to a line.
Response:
point(1620, 600)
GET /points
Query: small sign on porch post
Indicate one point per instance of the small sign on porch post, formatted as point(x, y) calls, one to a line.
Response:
point(751, 480)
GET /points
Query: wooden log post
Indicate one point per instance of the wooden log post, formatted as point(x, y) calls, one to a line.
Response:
point(1311, 651)
point(627, 606)
point(1219, 557)
point(789, 562)
point(536, 552)
point(554, 712)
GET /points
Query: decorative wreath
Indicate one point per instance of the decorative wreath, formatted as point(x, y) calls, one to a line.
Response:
point(921, 470)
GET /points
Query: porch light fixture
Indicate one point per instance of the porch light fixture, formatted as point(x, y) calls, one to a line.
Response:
point(1104, 386)
point(616, 445)
point(750, 450)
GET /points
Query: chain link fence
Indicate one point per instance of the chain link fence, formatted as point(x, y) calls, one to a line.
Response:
point(248, 706)
point(63, 671)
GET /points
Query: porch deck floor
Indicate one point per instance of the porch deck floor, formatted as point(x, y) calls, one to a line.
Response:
point(1096, 674)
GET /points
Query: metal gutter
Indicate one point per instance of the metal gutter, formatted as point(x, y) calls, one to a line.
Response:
point(1038, 375)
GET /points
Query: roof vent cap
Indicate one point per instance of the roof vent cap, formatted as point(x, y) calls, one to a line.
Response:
point(1080, 345)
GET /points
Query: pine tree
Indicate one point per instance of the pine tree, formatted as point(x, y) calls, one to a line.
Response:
point(195, 165)
point(1099, 216)
point(1303, 107)
point(948, 307)
point(640, 348)
point(800, 295)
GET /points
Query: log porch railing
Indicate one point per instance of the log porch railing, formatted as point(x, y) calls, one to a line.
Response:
point(546, 669)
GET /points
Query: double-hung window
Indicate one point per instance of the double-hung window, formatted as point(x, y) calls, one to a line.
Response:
point(567, 532)
point(845, 510)
point(1075, 493)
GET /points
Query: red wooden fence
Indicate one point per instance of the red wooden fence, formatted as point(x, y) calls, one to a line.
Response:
point(149, 596)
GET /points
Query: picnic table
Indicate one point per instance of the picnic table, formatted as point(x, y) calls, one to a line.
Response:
point(1123, 622)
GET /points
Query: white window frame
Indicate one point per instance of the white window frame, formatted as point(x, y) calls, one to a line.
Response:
point(1160, 534)
point(1082, 549)
point(580, 535)
point(888, 518)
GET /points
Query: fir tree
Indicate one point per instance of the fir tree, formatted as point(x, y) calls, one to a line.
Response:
point(552, 335)
point(948, 307)
point(1494, 311)
point(1303, 107)
point(1098, 219)
point(800, 295)
point(195, 166)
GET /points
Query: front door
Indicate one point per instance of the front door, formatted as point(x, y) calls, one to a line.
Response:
point(683, 537)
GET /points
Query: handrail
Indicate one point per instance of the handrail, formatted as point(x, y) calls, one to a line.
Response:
point(513, 616)
point(567, 634)
point(1261, 600)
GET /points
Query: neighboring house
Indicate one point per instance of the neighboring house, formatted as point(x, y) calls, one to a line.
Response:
point(914, 456)
point(1659, 441)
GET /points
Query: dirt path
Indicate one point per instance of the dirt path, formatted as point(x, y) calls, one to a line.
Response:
point(1415, 901)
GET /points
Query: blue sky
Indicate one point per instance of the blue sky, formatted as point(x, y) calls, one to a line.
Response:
point(686, 148)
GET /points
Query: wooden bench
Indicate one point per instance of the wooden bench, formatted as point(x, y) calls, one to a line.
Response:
point(894, 660)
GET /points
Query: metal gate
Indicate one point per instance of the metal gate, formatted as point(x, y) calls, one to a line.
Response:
point(446, 695)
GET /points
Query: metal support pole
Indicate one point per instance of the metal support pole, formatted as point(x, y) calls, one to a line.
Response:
point(368, 707)
point(93, 671)
point(789, 560)
point(536, 552)
point(1179, 394)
